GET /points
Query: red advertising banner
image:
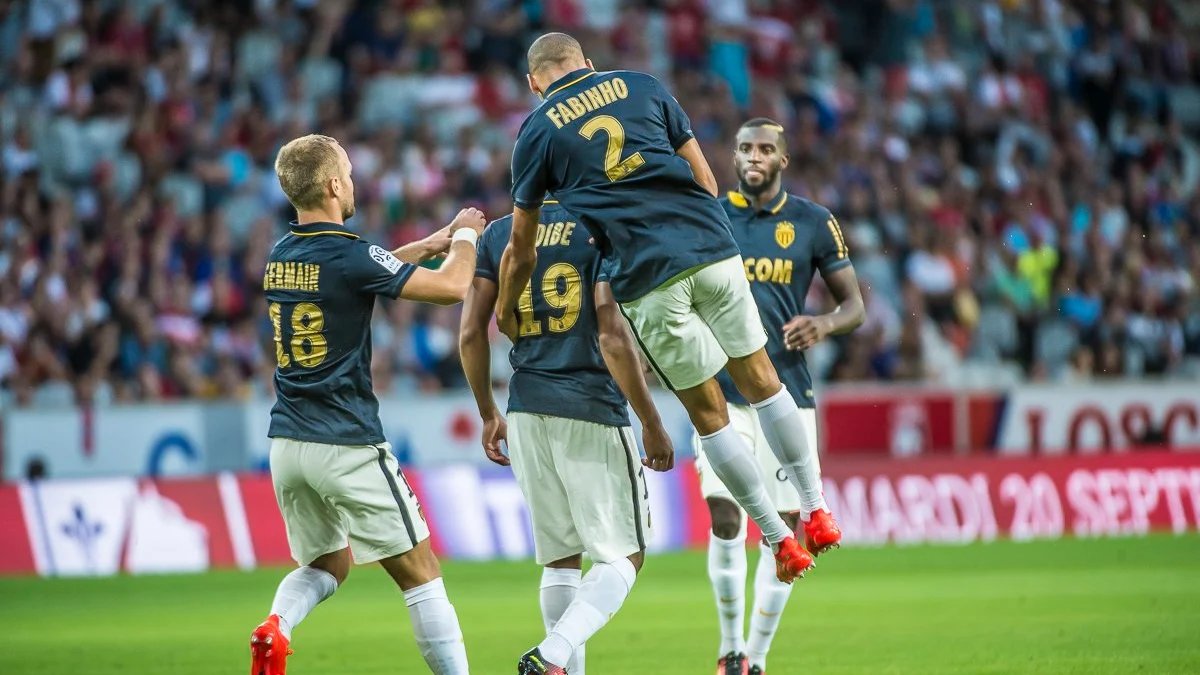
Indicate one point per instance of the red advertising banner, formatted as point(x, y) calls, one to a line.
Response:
point(964, 500)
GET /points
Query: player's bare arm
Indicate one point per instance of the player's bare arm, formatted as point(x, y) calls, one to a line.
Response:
point(432, 247)
point(448, 284)
point(802, 332)
point(516, 268)
point(691, 152)
point(621, 356)
point(476, 356)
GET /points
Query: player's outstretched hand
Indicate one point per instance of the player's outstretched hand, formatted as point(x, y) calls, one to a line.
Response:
point(495, 430)
point(660, 453)
point(802, 332)
point(469, 217)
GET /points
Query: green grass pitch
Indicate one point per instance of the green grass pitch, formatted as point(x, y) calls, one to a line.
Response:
point(1074, 606)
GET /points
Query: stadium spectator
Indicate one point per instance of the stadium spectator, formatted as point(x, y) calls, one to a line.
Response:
point(1018, 180)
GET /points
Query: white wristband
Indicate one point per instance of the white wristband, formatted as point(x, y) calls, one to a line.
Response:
point(465, 234)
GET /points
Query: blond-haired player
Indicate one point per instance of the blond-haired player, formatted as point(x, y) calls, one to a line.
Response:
point(339, 488)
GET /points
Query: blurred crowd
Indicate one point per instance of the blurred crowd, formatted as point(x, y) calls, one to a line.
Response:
point(1017, 178)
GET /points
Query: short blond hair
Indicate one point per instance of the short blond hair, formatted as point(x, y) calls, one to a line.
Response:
point(303, 166)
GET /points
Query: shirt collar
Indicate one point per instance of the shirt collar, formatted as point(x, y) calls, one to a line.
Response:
point(318, 228)
point(568, 80)
point(740, 201)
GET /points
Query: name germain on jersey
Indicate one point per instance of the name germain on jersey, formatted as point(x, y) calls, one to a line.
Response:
point(768, 270)
point(589, 100)
point(292, 276)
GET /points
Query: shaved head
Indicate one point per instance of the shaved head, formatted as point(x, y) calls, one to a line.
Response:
point(768, 124)
point(557, 51)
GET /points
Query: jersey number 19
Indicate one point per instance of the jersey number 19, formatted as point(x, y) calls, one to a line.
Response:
point(569, 300)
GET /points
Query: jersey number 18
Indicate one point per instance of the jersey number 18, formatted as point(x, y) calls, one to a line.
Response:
point(308, 344)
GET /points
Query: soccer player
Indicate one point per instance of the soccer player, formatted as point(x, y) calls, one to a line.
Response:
point(335, 478)
point(616, 149)
point(568, 434)
point(783, 240)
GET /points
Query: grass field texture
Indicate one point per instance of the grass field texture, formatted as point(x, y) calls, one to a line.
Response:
point(1088, 607)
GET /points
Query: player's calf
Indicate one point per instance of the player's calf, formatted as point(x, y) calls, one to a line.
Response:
point(435, 623)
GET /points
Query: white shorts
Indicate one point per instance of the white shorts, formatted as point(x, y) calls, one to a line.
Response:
point(745, 422)
point(333, 494)
point(691, 327)
point(584, 485)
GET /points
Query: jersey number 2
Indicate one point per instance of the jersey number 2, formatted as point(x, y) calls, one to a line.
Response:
point(308, 344)
point(614, 167)
point(569, 300)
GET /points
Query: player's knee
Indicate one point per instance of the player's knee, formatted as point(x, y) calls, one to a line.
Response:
point(706, 407)
point(573, 562)
point(413, 568)
point(755, 376)
point(337, 564)
point(637, 559)
point(726, 519)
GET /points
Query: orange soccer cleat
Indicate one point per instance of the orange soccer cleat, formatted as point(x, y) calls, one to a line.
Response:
point(732, 663)
point(821, 532)
point(268, 649)
point(791, 561)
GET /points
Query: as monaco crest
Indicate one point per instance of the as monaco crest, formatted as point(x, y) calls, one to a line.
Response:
point(785, 233)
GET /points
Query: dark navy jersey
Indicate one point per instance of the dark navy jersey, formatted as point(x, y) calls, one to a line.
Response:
point(557, 367)
point(782, 246)
point(604, 145)
point(320, 283)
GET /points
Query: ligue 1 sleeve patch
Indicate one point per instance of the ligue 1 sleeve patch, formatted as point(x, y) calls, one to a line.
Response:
point(390, 262)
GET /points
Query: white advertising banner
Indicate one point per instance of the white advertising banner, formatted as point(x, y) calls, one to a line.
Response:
point(1060, 419)
point(150, 440)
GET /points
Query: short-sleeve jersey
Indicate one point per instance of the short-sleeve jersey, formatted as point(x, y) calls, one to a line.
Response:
point(557, 366)
point(783, 245)
point(320, 285)
point(603, 144)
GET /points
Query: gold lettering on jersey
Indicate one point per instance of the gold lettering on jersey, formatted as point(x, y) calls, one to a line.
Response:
point(554, 234)
point(785, 233)
point(292, 276)
point(588, 101)
point(768, 270)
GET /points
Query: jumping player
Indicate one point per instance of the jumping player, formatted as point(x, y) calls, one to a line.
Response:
point(568, 434)
point(784, 239)
point(334, 474)
point(616, 149)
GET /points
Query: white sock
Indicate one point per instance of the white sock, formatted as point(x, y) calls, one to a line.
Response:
point(727, 571)
point(731, 460)
point(559, 587)
point(435, 626)
point(770, 597)
point(784, 430)
point(601, 594)
point(301, 590)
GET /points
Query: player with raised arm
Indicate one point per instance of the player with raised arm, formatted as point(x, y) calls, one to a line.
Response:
point(335, 478)
point(568, 434)
point(616, 149)
point(784, 239)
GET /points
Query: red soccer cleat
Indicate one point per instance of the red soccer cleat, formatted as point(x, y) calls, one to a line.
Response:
point(791, 561)
point(821, 532)
point(268, 649)
point(732, 663)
